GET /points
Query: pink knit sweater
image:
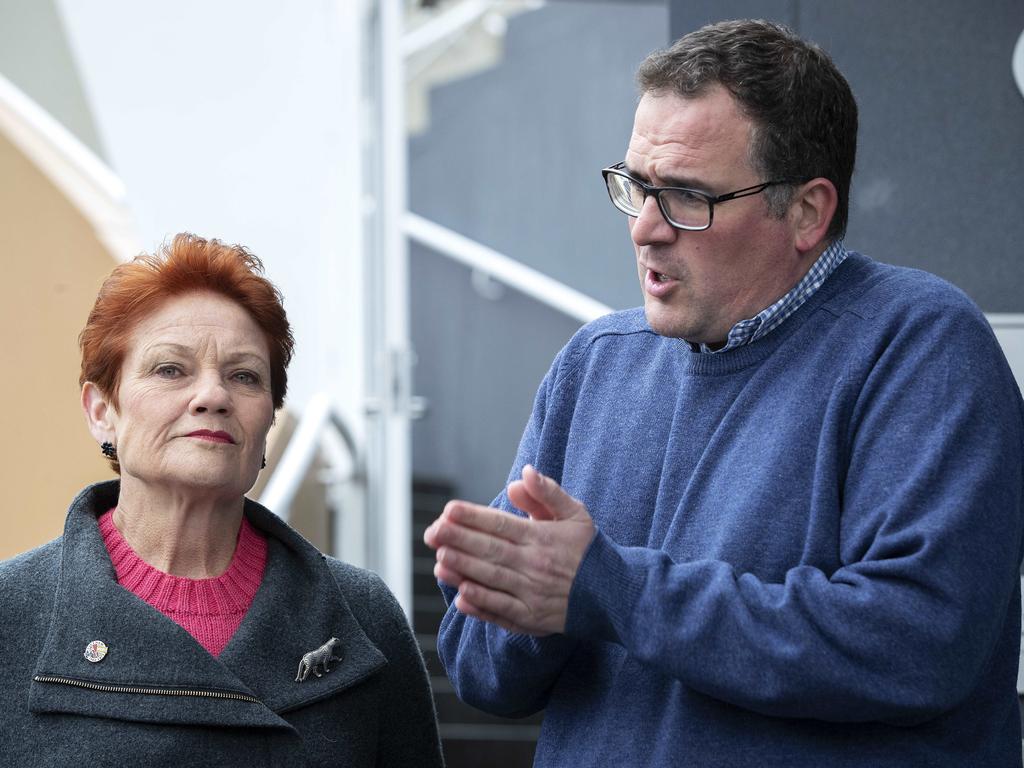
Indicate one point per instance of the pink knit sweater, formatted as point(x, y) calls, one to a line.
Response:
point(208, 609)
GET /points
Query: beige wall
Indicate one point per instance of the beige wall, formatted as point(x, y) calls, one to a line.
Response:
point(52, 267)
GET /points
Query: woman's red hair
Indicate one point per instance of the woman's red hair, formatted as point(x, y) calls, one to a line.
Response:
point(188, 264)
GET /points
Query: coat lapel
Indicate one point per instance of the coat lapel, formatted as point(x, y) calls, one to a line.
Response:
point(297, 608)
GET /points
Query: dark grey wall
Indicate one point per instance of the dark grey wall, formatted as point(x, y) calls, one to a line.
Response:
point(512, 159)
point(941, 151)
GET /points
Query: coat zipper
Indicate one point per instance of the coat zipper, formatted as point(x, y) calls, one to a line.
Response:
point(140, 689)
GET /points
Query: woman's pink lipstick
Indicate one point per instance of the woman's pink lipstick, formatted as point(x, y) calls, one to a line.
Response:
point(214, 437)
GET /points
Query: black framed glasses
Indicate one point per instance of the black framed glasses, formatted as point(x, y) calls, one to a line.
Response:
point(683, 208)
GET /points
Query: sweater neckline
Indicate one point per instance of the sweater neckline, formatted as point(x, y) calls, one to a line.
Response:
point(737, 359)
point(228, 594)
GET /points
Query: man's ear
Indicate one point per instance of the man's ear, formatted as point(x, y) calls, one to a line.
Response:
point(813, 208)
point(100, 414)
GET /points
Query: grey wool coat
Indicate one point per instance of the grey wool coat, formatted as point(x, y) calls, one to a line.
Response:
point(158, 698)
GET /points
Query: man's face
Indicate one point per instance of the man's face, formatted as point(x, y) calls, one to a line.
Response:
point(697, 285)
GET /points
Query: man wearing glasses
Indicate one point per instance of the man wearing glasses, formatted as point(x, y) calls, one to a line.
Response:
point(773, 519)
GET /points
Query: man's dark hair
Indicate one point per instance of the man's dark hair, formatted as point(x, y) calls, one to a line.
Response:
point(802, 109)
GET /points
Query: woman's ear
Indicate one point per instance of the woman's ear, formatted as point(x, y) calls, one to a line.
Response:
point(100, 414)
point(813, 209)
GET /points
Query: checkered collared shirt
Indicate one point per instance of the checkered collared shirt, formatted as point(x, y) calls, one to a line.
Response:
point(767, 320)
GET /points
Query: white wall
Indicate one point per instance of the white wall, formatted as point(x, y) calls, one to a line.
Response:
point(239, 120)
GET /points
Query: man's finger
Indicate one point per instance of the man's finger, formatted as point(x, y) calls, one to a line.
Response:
point(498, 604)
point(550, 494)
point(488, 574)
point(466, 607)
point(521, 499)
point(448, 575)
point(430, 534)
point(485, 546)
point(487, 520)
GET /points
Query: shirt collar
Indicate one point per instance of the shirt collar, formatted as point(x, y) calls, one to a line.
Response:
point(767, 320)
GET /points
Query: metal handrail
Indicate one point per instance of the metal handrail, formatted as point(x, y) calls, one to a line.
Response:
point(1007, 320)
point(504, 269)
point(298, 456)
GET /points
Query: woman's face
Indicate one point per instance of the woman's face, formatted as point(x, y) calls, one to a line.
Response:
point(195, 400)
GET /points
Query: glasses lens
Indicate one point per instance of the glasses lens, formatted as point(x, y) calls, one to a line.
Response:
point(626, 194)
point(686, 209)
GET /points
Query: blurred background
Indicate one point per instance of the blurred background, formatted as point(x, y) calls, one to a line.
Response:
point(422, 182)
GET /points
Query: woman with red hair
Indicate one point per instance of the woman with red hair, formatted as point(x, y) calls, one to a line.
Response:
point(176, 622)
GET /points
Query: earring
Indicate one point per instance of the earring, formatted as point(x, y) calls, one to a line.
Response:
point(264, 464)
point(109, 451)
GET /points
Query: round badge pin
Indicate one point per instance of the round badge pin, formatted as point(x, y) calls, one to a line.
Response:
point(95, 651)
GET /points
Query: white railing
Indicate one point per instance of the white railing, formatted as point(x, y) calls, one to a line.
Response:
point(1009, 330)
point(1005, 319)
point(323, 431)
point(508, 271)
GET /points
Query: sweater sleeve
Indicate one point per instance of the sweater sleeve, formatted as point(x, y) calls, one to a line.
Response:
point(499, 672)
point(929, 546)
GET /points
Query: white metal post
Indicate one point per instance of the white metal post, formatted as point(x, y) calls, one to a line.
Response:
point(389, 461)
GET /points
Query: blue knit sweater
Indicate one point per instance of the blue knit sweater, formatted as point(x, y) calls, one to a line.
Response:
point(807, 549)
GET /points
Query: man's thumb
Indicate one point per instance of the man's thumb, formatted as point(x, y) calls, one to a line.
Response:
point(550, 494)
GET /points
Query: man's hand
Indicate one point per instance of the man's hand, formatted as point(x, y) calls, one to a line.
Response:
point(513, 572)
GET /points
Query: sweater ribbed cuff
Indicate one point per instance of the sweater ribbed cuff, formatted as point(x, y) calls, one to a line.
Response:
point(604, 594)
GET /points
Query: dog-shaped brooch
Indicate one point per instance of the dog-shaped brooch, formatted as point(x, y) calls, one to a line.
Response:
point(317, 660)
